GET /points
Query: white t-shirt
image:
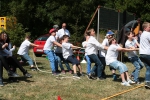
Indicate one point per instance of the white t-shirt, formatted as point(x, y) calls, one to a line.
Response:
point(49, 43)
point(62, 32)
point(112, 53)
point(67, 50)
point(130, 44)
point(145, 43)
point(24, 48)
point(84, 44)
point(93, 46)
point(103, 52)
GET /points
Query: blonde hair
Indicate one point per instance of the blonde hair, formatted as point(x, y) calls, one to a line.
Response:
point(145, 25)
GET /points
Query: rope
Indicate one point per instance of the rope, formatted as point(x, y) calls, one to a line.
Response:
point(61, 76)
point(123, 92)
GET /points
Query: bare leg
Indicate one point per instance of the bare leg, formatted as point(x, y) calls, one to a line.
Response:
point(74, 69)
point(80, 69)
point(123, 77)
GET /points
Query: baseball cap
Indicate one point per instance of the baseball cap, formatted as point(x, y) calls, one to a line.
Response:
point(52, 30)
point(109, 33)
point(55, 26)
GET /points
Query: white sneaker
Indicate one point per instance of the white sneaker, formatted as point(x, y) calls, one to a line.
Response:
point(125, 84)
point(131, 82)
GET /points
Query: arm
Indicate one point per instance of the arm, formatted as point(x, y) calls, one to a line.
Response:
point(75, 47)
point(126, 49)
point(34, 45)
point(58, 44)
point(5, 45)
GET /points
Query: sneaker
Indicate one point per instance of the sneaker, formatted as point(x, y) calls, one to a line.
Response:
point(63, 72)
point(90, 77)
point(125, 84)
point(12, 79)
point(147, 85)
point(55, 73)
point(76, 76)
point(27, 75)
point(137, 83)
point(1, 82)
point(131, 82)
point(12, 74)
point(70, 71)
point(33, 69)
point(114, 77)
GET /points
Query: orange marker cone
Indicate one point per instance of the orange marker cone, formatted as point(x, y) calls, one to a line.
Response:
point(59, 98)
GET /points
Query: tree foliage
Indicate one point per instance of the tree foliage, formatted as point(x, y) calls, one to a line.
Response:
point(38, 16)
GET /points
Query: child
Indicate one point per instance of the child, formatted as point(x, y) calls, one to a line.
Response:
point(92, 51)
point(59, 54)
point(49, 50)
point(145, 51)
point(68, 55)
point(102, 53)
point(132, 43)
point(24, 50)
point(111, 60)
point(88, 67)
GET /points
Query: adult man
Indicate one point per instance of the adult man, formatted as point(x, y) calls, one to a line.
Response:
point(62, 31)
point(130, 26)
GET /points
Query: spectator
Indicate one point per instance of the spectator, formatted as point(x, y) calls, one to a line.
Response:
point(62, 31)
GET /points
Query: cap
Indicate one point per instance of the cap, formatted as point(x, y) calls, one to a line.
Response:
point(109, 33)
point(52, 30)
point(55, 26)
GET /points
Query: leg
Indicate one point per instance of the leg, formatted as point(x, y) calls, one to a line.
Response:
point(59, 62)
point(51, 57)
point(88, 67)
point(28, 59)
point(137, 66)
point(98, 64)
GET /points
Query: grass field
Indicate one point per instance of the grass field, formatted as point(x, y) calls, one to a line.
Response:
point(44, 86)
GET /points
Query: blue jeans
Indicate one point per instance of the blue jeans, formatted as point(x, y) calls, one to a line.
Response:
point(60, 58)
point(88, 67)
point(119, 65)
point(53, 59)
point(98, 65)
point(146, 60)
point(138, 65)
point(27, 58)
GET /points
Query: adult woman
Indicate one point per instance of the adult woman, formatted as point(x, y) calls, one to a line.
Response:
point(7, 54)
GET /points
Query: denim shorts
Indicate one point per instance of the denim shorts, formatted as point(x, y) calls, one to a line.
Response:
point(119, 66)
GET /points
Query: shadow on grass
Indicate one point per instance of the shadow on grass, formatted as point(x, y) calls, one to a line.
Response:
point(16, 80)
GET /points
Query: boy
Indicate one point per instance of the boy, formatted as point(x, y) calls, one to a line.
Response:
point(49, 50)
point(24, 50)
point(111, 60)
point(145, 51)
point(132, 43)
point(68, 55)
point(102, 53)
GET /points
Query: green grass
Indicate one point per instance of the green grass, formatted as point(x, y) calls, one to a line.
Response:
point(44, 86)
